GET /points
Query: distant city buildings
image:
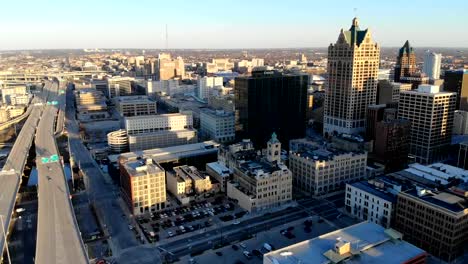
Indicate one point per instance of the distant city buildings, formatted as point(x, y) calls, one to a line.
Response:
point(206, 85)
point(432, 63)
point(406, 62)
point(167, 68)
point(143, 185)
point(430, 112)
point(218, 64)
point(356, 56)
point(268, 102)
point(389, 92)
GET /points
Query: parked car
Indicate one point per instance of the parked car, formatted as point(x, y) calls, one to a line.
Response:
point(247, 254)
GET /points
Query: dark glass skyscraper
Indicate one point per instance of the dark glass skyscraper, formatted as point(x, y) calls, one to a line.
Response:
point(457, 81)
point(268, 102)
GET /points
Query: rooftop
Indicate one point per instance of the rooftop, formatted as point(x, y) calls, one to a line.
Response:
point(369, 243)
point(133, 99)
point(374, 190)
point(446, 200)
point(438, 172)
point(219, 168)
point(140, 167)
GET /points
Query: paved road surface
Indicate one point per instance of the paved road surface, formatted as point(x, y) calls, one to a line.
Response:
point(58, 236)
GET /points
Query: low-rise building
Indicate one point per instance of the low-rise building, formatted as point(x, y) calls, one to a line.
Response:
point(357, 244)
point(187, 180)
point(135, 105)
point(220, 173)
point(435, 221)
point(14, 111)
point(217, 125)
point(143, 185)
point(322, 169)
point(263, 182)
point(162, 139)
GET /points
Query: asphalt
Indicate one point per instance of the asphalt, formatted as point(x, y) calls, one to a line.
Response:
point(58, 236)
point(10, 176)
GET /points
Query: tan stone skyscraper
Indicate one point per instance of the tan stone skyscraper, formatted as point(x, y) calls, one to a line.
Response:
point(353, 63)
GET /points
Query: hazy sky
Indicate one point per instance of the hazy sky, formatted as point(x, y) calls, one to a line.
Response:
point(40, 24)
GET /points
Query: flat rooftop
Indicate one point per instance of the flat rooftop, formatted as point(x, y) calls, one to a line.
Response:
point(322, 153)
point(374, 190)
point(219, 168)
point(437, 172)
point(169, 153)
point(142, 167)
point(370, 243)
point(446, 200)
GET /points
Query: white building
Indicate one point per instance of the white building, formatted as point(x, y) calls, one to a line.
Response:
point(20, 99)
point(135, 105)
point(319, 170)
point(220, 173)
point(460, 123)
point(206, 85)
point(432, 62)
point(12, 91)
point(372, 200)
point(159, 131)
point(119, 86)
point(217, 125)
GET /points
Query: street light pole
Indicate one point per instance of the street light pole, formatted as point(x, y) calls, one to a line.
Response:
point(5, 238)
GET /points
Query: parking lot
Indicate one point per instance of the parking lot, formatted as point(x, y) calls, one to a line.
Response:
point(252, 250)
point(183, 220)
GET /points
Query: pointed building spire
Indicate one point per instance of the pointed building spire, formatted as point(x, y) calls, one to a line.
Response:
point(355, 22)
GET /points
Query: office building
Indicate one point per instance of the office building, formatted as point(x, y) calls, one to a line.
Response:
point(361, 243)
point(160, 131)
point(100, 85)
point(406, 62)
point(431, 115)
point(118, 141)
point(135, 106)
point(15, 110)
point(206, 85)
point(457, 81)
point(119, 86)
point(356, 56)
point(168, 68)
point(319, 169)
point(217, 65)
point(143, 185)
point(268, 102)
point(184, 181)
point(432, 63)
point(392, 141)
point(217, 125)
point(460, 123)
point(9, 92)
point(389, 92)
point(20, 99)
point(261, 183)
point(462, 160)
point(434, 220)
point(230, 155)
point(220, 173)
point(373, 200)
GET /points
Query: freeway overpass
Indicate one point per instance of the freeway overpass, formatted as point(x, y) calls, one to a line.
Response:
point(58, 236)
point(10, 176)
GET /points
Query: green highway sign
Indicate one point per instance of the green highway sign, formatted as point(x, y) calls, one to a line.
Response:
point(54, 103)
point(54, 158)
point(45, 160)
point(48, 103)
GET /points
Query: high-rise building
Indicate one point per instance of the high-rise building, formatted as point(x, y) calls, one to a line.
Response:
point(457, 81)
point(205, 86)
point(431, 65)
point(406, 62)
point(168, 68)
point(353, 64)
point(119, 86)
point(217, 125)
point(143, 185)
point(392, 141)
point(269, 102)
point(135, 105)
point(388, 92)
point(431, 115)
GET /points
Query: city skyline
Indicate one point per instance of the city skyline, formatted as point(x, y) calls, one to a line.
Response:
point(213, 26)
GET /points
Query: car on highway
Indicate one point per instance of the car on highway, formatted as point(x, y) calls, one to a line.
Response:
point(235, 247)
point(247, 254)
point(236, 222)
point(242, 245)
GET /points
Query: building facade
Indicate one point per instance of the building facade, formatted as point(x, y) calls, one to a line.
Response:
point(389, 92)
point(135, 106)
point(432, 63)
point(320, 170)
point(262, 183)
point(431, 115)
point(353, 64)
point(143, 185)
point(406, 62)
point(118, 141)
point(119, 86)
point(460, 123)
point(268, 102)
point(433, 220)
point(205, 86)
point(217, 125)
point(457, 81)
